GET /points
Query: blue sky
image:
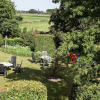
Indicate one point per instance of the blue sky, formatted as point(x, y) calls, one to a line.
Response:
point(42, 5)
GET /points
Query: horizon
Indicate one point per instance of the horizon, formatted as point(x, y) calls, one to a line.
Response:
point(41, 5)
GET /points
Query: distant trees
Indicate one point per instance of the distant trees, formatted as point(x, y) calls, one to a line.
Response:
point(33, 11)
point(49, 10)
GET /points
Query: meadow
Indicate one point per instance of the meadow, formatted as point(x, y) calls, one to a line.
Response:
point(33, 22)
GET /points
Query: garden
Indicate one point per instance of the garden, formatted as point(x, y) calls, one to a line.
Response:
point(72, 42)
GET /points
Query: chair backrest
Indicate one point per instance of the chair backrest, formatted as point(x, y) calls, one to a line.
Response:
point(44, 53)
point(32, 55)
point(1, 68)
point(21, 63)
point(13, 60)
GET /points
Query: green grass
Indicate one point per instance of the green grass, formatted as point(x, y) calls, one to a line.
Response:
point(40, 26)
point(35, 22)
point(34, 17)
point(32, 71)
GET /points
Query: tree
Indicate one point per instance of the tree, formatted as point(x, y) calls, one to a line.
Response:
point(80, 25)
point(33, 11)
point(49, 11)
point(8, 25)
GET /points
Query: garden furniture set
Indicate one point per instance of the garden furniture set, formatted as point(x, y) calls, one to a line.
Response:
point(45, 60)
point(11, 64)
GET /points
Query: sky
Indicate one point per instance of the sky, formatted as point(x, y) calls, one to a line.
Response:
point(42, 5)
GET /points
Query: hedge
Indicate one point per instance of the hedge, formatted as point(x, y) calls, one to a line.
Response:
point(36, 43)
point(14, 41)
point(44, 43)
point(23, 90)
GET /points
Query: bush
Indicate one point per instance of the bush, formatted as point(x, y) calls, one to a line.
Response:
point(14, 41)
point(44, 43)
point(23, 90)
point(19, 18)
point(1, 40)
point(28, 40)
point(88, 92)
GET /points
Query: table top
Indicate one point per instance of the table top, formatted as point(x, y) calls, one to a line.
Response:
point(6, 64)
point(45, 57)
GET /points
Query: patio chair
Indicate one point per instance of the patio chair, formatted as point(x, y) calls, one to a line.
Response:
point(3, 70)
point(46, 61)
point(18, 67)
point(35, 59)
point(13, 60)
point(44, 53)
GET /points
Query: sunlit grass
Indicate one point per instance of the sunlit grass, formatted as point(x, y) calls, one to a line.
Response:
point(35, 72)
point(40, 26)
point(35, 22)
point(31, 18)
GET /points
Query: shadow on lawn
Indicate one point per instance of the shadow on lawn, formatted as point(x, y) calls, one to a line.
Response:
point(56, 90)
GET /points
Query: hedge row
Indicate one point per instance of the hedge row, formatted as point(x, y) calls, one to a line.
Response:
point(36, 43)
point(23, 90)
point(15, 41)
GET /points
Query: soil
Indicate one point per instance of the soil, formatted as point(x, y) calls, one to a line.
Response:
point(54, 79)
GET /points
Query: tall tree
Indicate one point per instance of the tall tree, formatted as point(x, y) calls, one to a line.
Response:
point(79, 22)
point(8, 25)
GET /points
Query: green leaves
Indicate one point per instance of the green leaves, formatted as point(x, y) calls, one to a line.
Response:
point(24, 90)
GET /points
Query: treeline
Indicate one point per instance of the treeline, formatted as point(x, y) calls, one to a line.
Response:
point(33, 11)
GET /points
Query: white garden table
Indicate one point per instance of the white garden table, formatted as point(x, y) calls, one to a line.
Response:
point(6, 64)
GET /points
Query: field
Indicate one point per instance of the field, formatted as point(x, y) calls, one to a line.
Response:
point(38, 22)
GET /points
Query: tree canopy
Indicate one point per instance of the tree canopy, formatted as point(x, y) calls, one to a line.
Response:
point(8, 25)
point(77, 25)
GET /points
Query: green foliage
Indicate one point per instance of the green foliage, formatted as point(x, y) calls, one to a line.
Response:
point(1, 40)
point(19, 18)
point(8, 24)
point(17, 50)
point(80, 26)
point(76, 15)
point(45, 43)
point(10, 28)
point(33, 11)
point(28, 40)
point(14, 41)
point(24, 90)
point(88, 92)
point(7, 10)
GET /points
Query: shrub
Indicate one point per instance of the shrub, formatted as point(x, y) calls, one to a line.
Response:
point(19, 18)
point(14, 41)
point(1, 40)
point(44, 43)
point(23, 90)
point(28, 40)
point(88, 92)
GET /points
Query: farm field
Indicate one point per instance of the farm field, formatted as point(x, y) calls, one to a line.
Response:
point(35, 22)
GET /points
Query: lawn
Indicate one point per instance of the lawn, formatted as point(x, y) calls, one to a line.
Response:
point(31, 71)
point(36, 22)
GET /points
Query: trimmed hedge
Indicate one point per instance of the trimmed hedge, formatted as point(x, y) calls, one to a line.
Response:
point(14, 41)
point(23, 90)
point(44, 43)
